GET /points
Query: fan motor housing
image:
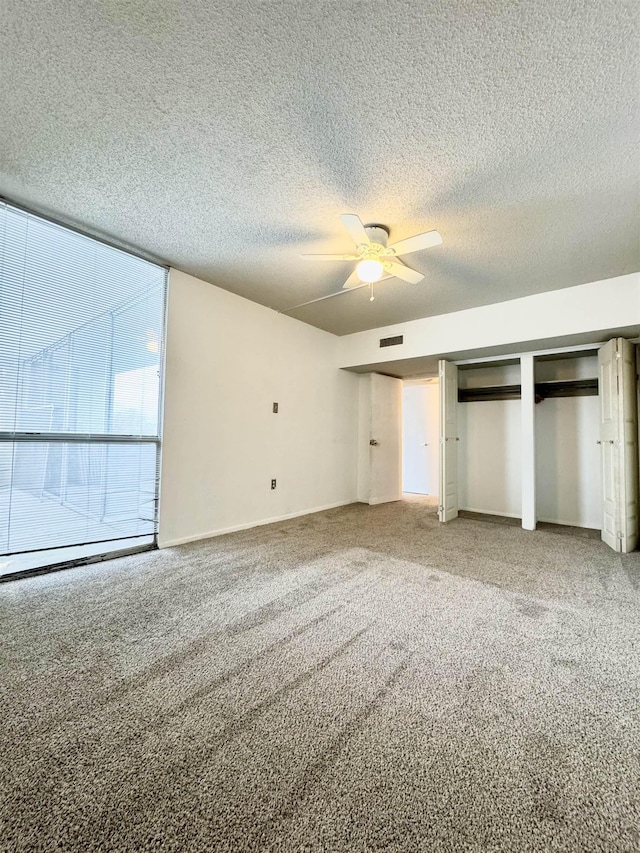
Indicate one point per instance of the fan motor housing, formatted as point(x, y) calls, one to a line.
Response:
point(377, 233)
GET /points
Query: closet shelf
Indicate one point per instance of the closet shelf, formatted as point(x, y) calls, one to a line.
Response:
point(567, 388)
point(544, 391)
point(492, 392)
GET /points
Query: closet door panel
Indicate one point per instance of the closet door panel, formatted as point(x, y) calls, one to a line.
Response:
point(607, 370)
point(448, 374)
point(628, 445)
point(619, 444)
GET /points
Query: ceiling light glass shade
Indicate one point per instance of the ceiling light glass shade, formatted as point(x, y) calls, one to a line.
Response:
point(369, 270)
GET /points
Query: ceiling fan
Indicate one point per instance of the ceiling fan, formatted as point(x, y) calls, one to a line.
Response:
point(375, 260)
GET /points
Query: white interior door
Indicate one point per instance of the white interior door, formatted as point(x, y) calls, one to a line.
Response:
point(448, 374)
point(619, 444)
point(385, 440)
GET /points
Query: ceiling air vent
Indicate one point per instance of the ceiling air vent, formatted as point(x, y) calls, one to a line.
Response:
point(391, 342)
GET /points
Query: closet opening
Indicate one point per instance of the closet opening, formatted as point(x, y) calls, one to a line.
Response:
point(489, 462)
point(567, 423)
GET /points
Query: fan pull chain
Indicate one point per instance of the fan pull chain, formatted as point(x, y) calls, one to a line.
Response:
point(372, 297)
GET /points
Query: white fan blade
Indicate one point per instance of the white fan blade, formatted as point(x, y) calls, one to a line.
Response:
point(330, 257)
point(355, 228)
point(405, 273)
point(415, 244)
point(353, 280)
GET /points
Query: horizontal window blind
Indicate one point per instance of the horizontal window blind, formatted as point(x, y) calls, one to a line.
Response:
point(81, 327)
point(77, 493)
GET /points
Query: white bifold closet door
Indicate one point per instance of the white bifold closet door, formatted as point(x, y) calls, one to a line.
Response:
point(448, 375)
point(619, 444)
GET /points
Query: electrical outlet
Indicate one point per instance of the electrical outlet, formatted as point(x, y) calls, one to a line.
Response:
point(273, 484)
point(275, 408)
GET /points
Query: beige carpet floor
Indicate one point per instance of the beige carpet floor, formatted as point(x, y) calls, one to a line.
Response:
point(363, 679)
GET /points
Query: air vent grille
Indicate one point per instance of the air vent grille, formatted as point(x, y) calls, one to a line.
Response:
point(391, 342)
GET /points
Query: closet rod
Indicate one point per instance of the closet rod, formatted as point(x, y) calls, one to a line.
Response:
point(544, 391)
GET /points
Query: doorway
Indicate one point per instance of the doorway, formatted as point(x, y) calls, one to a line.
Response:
point(420, 436)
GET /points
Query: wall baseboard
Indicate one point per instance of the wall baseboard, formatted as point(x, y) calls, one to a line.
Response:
point(566, 523)
point(490, 512)
point(196, 537)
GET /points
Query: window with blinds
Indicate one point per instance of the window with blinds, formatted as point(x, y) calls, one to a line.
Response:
point(81, 339)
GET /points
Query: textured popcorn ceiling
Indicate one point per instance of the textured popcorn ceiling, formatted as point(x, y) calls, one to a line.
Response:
point(227, 137)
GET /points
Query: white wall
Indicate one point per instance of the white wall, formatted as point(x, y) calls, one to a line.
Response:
point(420, 426)
point(579, 367)
point(485, 376)
point(489, 459)
point(588, 308)
point(227, 361)
point(568, 476)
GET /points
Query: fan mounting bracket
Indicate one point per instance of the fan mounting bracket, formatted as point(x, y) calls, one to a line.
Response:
point(377, 233)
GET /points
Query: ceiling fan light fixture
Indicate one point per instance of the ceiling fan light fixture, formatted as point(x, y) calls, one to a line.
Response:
point(369, 270)
point(374, 257)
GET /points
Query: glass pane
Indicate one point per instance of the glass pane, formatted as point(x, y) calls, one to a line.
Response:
point(137, 332)
point(68, 493)
point(80, 332)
